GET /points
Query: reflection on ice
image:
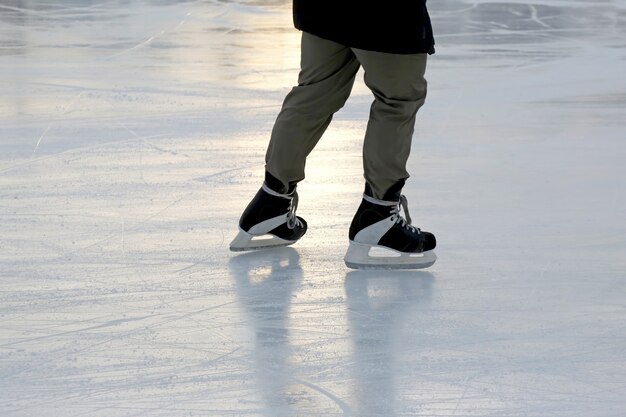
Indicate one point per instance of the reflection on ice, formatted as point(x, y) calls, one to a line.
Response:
point(265, 288)
point(378, 308)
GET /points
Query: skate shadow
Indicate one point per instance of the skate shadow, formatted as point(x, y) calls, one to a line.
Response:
point(264, 284)
point(380, 309)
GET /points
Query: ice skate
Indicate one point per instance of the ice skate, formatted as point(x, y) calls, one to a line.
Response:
point(380, 238)
point(269, 221)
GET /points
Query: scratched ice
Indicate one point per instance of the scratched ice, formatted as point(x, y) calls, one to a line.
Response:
point(132, 134)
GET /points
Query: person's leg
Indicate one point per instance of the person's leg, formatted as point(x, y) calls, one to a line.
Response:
point(399, 88)
point(324, 84)
point(325, 81)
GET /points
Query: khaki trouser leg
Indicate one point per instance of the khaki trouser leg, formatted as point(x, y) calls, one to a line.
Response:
point(399, 88)
point(325, 81)
point(326, 78)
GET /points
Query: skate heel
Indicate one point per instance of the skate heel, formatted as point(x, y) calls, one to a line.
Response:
point(363, 256)
point(245, 241)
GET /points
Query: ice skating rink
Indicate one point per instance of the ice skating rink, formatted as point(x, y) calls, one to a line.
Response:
point(132, 135)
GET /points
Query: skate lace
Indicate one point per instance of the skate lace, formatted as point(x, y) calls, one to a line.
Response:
point(292, 219)
point(396, 217)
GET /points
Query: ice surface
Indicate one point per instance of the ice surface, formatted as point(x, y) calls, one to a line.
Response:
point(132, 135)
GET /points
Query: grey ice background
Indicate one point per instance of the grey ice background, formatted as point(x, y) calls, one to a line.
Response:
point(132, 134)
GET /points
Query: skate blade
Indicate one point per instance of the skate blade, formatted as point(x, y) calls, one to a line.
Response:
point(361, 256)
point(245, 241)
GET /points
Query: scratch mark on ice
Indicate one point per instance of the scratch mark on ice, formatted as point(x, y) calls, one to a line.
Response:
point(534, 15)
point(99, 326)
point(41, 137)
point(139, 45)
point(65, 111)
point(347, 410)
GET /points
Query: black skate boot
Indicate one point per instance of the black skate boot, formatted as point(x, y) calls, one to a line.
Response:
point(381, 238)
point(269, 221)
